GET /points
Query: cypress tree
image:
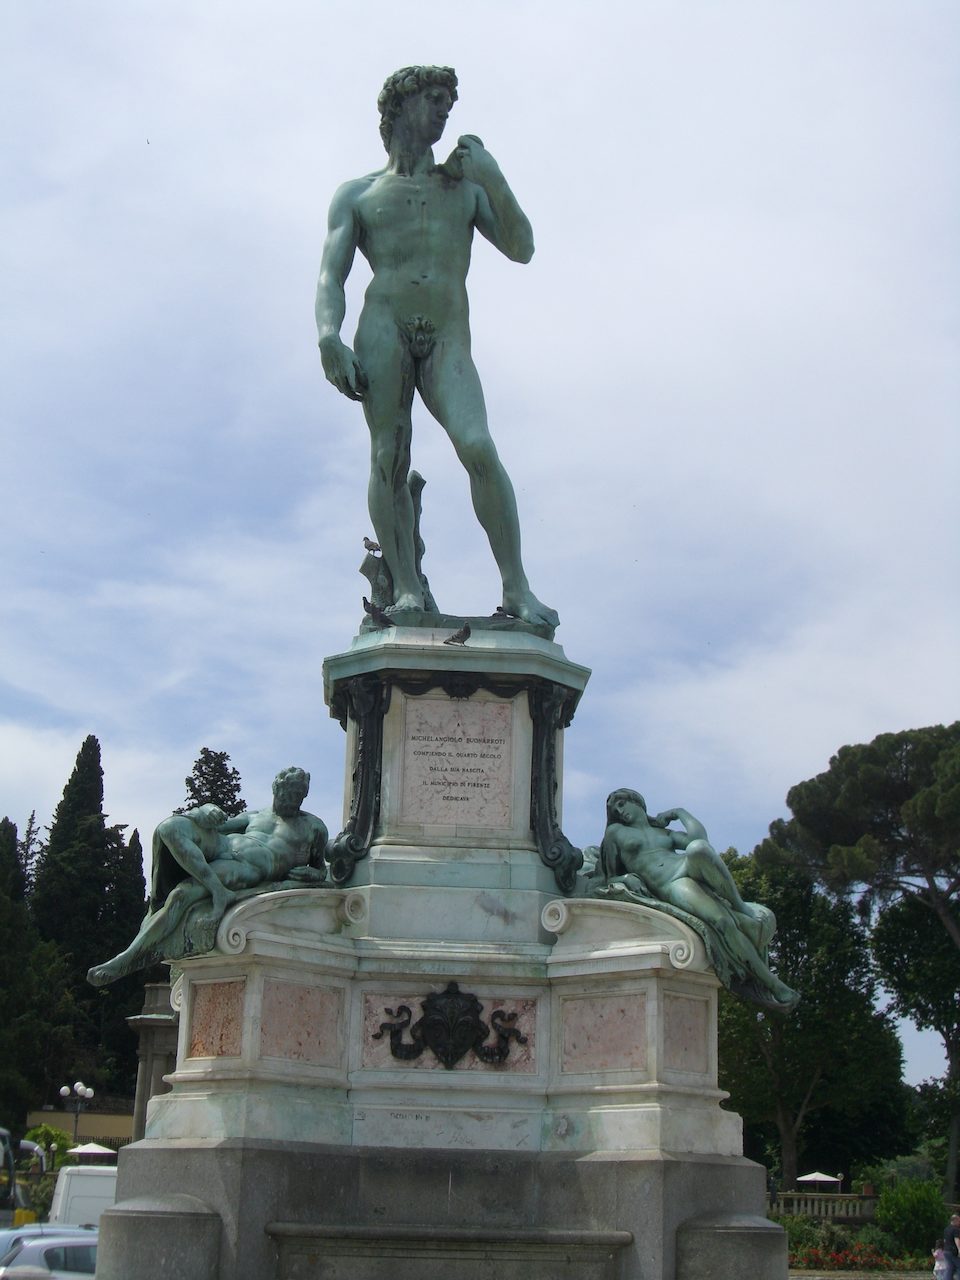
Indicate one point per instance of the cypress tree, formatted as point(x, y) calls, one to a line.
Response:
point(29, 847)
point(70, 873)
point(88, 900)
point(12, 879)
point(37, 1011)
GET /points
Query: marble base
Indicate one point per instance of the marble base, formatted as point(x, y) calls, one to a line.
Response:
point(597, 1148)
point(613, 1044)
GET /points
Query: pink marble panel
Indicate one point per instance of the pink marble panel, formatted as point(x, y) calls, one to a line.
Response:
point(300, 1023)
point(685, 1022)
point(376, 1054)
point(216, 1026)
point(604, 1033)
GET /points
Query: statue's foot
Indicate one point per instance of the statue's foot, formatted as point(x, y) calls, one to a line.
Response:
point(221, 901)
point(525, 605)
point(101, 975)
point(406, 600)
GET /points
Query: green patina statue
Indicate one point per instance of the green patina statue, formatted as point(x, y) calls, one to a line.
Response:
point(204, 861)
point(414, 222)
point(642, 859)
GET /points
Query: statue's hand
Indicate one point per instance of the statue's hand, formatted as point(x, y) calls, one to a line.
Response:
point(471, 160)
point(664, 819)
point(309, 875)
point(343, 368)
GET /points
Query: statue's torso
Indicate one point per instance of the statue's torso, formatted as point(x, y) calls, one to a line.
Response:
point(273, 843)
point(648, 852)
point(416, 233)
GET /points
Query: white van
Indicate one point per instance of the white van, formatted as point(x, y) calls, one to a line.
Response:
point(82, 1193)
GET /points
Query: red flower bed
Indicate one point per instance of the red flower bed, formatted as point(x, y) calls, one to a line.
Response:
point(859, 1257)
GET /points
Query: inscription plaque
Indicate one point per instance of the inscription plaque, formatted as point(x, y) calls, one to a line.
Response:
point(457, 763)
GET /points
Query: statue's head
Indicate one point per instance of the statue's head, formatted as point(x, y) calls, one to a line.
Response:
point(405, 82)
point(619, 804)
point(290, 788)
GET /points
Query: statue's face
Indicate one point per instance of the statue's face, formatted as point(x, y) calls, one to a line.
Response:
point(424, 114)
point(289, 794)
point(630, 811)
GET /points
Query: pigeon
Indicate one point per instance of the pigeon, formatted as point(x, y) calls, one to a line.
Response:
point(376, 613)
point(459, 637)
point(500, 612)
point(370, 545)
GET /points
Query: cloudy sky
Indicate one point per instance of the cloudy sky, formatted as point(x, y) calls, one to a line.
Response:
point(724, 386)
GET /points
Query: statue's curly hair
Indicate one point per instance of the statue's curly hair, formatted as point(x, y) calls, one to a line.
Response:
point(404, 82)
point(292, 774)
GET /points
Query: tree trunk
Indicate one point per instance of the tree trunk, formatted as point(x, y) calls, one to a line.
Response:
point(953, 1132)
point(953, 1141)
point(941, 904)
point(787, 1132)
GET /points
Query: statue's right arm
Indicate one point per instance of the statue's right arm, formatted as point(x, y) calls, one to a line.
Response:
point(693, 828)
point(339, 363)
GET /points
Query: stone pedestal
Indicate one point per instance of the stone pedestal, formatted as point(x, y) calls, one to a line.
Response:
point(156, 1026)
point(445, 1066)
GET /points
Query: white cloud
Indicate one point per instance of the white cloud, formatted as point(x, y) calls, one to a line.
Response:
point(725, 387)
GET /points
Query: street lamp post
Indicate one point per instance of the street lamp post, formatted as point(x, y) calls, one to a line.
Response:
point(77, 1097)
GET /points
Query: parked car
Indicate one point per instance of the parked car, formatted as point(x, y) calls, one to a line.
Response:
point(9, 1236)
point(60, 1257)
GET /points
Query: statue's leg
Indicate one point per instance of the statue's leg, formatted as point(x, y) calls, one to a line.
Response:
point(451, 390)
point(704, 863)
point(690, 895)
point(239, 872)
point(191, 857)
point(386, 406)
point(154, 929)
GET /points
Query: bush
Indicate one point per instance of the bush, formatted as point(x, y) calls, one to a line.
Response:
point(833, 1237)
point(875, 1237)
point(801, 1230)
point(913, 1213)
point(41, 1196)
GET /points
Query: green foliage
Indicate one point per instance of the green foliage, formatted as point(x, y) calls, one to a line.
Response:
point(881, 826)
point(834, 1246)
point(873, 1237)
point(921, 1165)
point(69, 881)
point(12, 880)
point(801, 1230)
point(41, 1195)
point(36, 1008)
point(41, 1188)
point(832, 1066)
point(913, 1213)
point(214, 780)
point(29, 848)
point(920, 967)
point(46, 1135)
point(884, 821)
